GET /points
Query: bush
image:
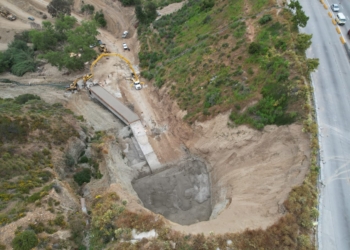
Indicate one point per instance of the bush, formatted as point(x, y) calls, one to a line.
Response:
point(59, 220)
point(265, 19)
point(254, 48)
point(100, 19)
point(88, 8)
point(82, 176)
point(84, 159)
point(25, 240)
point(22, 99)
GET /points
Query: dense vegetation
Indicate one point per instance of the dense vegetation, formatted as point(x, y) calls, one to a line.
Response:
point(26, 175)
point(18, 58)
point(63, 44)
point(32, 134)
point(218, 57)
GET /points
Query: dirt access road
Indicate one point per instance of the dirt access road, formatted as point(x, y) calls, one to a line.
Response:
point(251, 171)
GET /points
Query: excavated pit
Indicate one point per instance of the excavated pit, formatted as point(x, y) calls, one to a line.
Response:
point(181, 193)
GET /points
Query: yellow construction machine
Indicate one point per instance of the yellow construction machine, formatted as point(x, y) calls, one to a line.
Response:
point(74, 86)
point(134, 78)
point(102, 48)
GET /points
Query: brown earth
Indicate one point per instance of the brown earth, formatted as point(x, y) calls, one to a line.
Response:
point(251, 171)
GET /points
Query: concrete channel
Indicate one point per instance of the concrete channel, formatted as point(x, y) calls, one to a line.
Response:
point(129, 118)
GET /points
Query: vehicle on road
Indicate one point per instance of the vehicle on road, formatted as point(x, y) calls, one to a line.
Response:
point(31, 18)
point(125, 34)
point(340, 18)
point(335, 7)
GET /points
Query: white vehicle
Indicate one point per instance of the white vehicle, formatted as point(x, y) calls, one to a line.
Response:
point(125, 47)
point(340, 18)
point(125, 34)
point(137, 85)
point(335, 7)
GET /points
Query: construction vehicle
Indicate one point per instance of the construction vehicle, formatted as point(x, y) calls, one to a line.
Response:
point(6, 14)
point(134, 77)
point(102, 48)
point(137, 84)
point(74, 86)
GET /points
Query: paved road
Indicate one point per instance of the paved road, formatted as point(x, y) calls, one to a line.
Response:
point(332, 93)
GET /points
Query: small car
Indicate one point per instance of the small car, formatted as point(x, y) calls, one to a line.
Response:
point(125, 34)
point(31, 18)
point(340, 18)
point(335, 7)
point(125, 47)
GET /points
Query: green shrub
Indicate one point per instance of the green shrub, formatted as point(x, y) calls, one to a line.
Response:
point(212, 97)
point(82, 176)
point(59, 220)
point(37, 228)
point(84, 159)
point(128, 2)
point(88, 8)
point(25, 240)
point(254, 48)
point(265, 19)
point(207, 5)
point(22, 99)
point(100, 18)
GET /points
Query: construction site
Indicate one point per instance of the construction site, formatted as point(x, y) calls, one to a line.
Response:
point(203, 177)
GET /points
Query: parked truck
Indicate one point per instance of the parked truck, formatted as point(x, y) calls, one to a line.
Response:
point(6, 14)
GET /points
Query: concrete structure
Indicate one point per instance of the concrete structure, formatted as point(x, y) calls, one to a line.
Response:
point(115, 106)
point(141, 137)
point(129, 118)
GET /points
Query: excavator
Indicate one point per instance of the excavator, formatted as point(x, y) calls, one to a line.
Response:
point(74, 86)
point(137, 84)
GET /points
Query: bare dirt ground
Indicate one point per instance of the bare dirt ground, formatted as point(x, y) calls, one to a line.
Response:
point(251, 171)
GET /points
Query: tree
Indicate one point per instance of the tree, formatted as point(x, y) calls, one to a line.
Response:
point(78, 41)
point(303, 42)
point(100, 18)
point(25, 240)
point(299, 17)
point(44, 40)
point(18, 58)
point(64, 23)
point(57, 7)
point(83, 176)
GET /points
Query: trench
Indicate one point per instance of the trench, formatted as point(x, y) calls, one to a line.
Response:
point(181, 192)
